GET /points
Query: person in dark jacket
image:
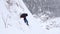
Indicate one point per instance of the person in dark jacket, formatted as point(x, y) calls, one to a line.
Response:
point(24, 16)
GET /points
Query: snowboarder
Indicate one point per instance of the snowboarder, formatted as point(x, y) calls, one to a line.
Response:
point(24, 16)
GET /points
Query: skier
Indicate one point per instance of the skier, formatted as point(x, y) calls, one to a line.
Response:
point(24, 16)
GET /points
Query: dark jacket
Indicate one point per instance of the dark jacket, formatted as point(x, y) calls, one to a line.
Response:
point(25, 20)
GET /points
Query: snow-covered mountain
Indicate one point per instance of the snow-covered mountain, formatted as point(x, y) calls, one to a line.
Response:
point(11, 23)
point(47, 8)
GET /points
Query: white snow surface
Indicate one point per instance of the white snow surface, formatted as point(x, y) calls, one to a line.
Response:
point(11, 23)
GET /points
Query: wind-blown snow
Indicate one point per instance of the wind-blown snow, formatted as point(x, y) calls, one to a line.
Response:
point(11, 23)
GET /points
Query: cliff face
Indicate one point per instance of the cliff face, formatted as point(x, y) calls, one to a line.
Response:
point(50, 8)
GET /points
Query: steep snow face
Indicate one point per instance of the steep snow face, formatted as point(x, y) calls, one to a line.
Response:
point(10, 21)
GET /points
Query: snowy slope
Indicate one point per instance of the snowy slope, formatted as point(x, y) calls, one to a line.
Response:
point(11, 23)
